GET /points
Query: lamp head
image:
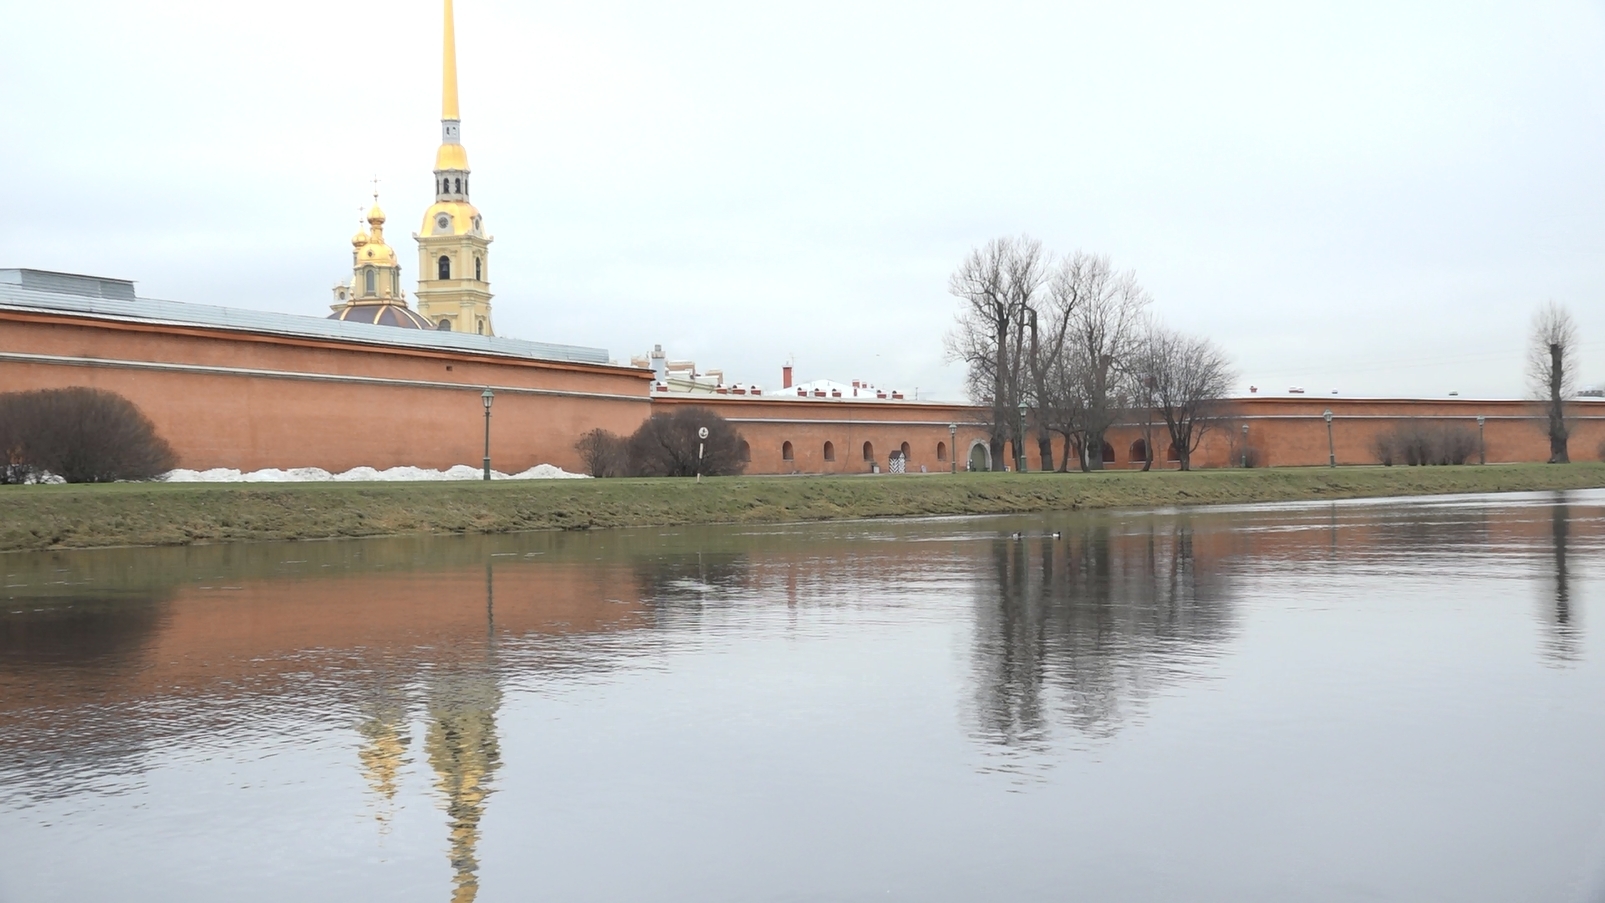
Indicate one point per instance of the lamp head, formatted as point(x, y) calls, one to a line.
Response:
point(1327, 414)
point(487, 397)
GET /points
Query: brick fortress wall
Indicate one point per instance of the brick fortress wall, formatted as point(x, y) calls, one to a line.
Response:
point(250, 401)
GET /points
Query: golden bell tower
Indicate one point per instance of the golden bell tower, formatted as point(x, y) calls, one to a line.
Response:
point(453, 249)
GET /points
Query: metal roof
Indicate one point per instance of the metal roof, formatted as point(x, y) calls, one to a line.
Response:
point(17, 296)
point(70, 283)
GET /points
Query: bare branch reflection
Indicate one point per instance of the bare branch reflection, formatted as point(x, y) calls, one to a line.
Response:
point(1079, 632)
point(1563, 634)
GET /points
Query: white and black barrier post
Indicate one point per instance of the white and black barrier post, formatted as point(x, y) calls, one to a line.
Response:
point(702, 437)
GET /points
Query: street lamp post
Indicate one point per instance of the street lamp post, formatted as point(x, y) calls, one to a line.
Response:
point(1245, 446)
point(1331, 451)
point(1019, 443)
point(487, 397)
point(953, 446)
point(1482, 447)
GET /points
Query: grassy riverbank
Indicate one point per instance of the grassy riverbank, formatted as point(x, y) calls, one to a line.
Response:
point(84, 516)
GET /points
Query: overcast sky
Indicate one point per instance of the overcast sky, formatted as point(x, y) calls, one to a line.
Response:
point(1368, 197)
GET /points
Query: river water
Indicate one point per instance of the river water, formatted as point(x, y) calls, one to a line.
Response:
point(1387, 700)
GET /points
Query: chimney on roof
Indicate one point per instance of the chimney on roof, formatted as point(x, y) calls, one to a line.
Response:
point(660, 367)
point(785, 377)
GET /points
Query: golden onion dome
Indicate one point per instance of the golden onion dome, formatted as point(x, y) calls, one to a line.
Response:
point(376, 253)
point(451, 156)
point(376, 217)
point(360, 239)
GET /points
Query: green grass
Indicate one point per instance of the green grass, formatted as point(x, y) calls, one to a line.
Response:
point(86, 516)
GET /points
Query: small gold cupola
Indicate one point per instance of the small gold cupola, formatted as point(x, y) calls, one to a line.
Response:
point(374, 294)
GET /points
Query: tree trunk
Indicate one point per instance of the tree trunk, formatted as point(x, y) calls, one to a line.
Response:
point(1045, 451)
point(996, 448)
point(1557, 406)
point(1094, 451)
point(1148, 444)
point(1181, 439)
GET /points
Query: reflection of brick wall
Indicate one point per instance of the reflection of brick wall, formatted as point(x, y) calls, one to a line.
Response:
point(250, 401)
point(237, 636)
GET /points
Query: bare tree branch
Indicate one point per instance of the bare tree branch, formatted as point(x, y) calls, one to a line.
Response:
point(1184, 378)
point(996, 285)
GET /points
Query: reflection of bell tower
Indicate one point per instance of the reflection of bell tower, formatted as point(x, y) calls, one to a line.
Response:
point(453, 249)
point(384, 750)
point(462, 747)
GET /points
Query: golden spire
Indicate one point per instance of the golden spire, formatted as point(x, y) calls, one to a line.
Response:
point(451, 156)
point(448, 100)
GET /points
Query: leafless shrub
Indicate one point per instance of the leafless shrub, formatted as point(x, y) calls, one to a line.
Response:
point(1384, 448)
point(605, 454)
point(1418, 443)
point(80, 434)
point(666, 445)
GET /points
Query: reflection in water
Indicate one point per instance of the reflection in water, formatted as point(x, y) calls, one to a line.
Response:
point(384, 749)
point(1563, 641)
point(1088, 626)
point(123, 664)
point(463, 751)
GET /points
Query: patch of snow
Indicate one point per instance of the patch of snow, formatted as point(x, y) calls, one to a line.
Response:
point(360, 474)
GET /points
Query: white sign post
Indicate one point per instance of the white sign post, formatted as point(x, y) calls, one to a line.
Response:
point(702, 436)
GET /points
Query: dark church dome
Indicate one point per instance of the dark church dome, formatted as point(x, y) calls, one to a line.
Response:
point(382, 314)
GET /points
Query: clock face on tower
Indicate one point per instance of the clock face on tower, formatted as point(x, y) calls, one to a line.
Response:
point(443, 222)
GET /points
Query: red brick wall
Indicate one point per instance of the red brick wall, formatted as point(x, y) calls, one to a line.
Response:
point(251, 401)
point(248, 401)
point(1282, 431)
point(768, 423)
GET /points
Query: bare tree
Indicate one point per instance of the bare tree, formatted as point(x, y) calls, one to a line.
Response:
point(996, 284)
point(1552, 370)
point(1107, 322)
point(80, 434)
point(1050, 393)
point(1184, 378)
point(605, 454)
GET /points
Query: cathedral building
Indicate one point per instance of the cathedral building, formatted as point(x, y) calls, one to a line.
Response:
point(453, 249)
